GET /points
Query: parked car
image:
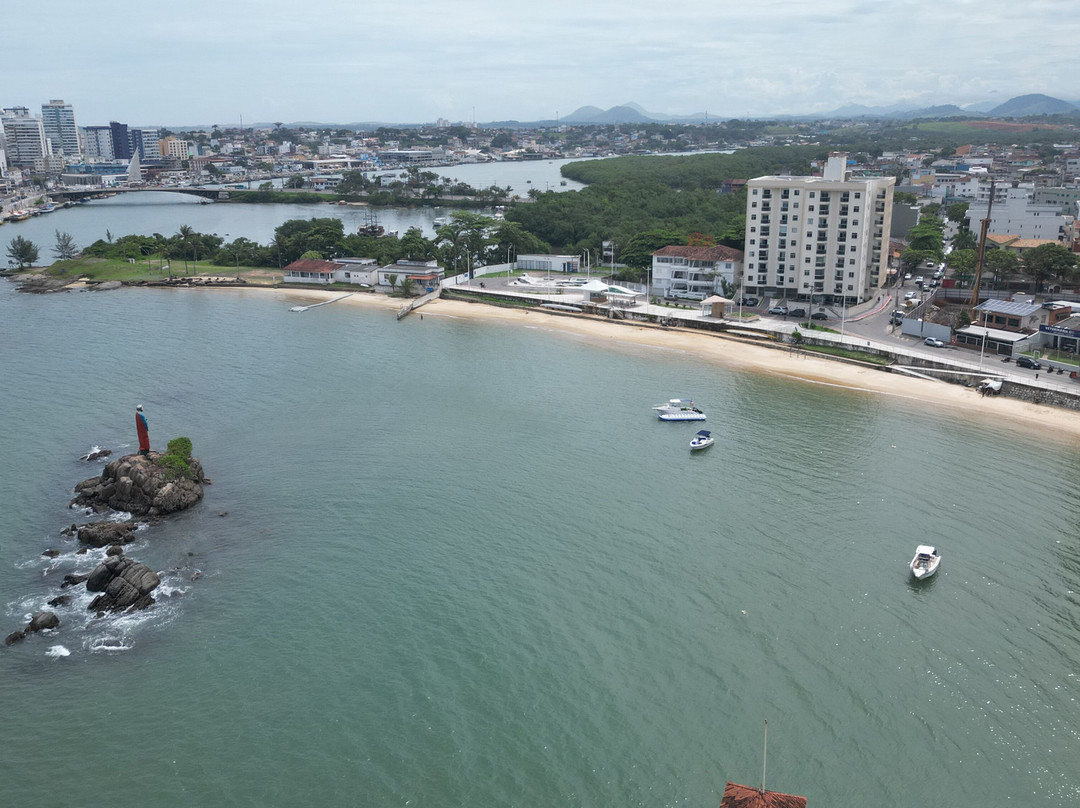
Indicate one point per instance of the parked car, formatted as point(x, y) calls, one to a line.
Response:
point(1028, 362)
point(910, 296)
point(933, 343)
point(897, 317)
point(819, 315)
point(907, 276)
point(748, 301)
point(797, 312)
point(778, 310)
point(919, 280)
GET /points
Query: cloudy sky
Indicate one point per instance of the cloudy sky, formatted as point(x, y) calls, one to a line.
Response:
point(342, 61)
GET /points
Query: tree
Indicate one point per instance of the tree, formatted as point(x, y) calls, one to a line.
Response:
point(957, 212)
point(1002, 264)
point(964, 240)
point(392, 279)
point(905, 198)
point(65, 248)
point(407, 285)
point(22, 252)
point(962, 264)
point(639, 249)
point(1049, 261)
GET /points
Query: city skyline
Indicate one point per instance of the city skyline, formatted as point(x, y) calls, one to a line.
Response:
point(330, 61)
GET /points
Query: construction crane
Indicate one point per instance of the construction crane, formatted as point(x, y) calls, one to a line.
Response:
point(982, 249)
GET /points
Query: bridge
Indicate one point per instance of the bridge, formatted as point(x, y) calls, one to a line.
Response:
point(76, 194)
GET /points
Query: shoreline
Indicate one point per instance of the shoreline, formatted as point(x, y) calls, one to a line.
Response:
point(739, 355)
point(726, 352)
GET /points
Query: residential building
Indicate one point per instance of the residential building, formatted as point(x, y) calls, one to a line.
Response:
point(121, 141)
point(820, 239)
point(58, 120)
point(99, 144)
point(24, 136)
point(174, 148)
point(310, 270)
point(1019, 215)
point(424, 274)
point(145, 142)
point(694, 273)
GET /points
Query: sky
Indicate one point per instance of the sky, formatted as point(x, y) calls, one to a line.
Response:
point(203, 62)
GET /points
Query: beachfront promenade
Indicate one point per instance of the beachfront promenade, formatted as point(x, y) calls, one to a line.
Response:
point(908, 355)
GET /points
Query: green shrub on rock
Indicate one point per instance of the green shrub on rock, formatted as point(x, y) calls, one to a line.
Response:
point(175, 460)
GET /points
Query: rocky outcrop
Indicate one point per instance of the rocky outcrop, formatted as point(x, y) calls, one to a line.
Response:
point(102, 534)
point(137, 484)
point(39, 622)
point(96, 454)
point(124, 584)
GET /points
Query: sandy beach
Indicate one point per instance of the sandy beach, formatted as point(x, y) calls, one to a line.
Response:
point(733, 353)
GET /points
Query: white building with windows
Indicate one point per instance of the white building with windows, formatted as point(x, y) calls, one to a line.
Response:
point(24, 136)
point(819, 239)
point(694, 273)
point(99, 144)
point(58, 120)
point(549, 263)
point(1019, 215)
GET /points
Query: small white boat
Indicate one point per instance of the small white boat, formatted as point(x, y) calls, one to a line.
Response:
point(925, 562)
point(679, 409)
point(702, 440)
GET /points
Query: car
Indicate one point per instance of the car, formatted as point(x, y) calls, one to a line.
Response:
point(907, 276)
point(1028, 362)
point(779, 310)
point(797, 312)
point(748, 301)
point(910, 296)
point(819, 315)
point(897, 317)
point(933, 342)
point(919, 279)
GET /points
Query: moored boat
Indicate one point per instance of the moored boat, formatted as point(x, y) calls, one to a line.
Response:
point(926, 562)
point(702, 440)
point(679, 409)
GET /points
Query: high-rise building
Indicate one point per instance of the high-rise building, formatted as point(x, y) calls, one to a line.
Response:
point(820, 239)
point(145, 142)
point(121, 141)
point(99, 143)
point(58, 119)
point(24, 136)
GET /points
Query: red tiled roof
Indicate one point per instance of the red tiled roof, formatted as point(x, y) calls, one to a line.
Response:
point(736, 796)
point(313, 265)
point(718, 253)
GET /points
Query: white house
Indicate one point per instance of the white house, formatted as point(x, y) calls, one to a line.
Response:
point(694, 273)
point(425, 274)
point(310, 270)
point(359, 271)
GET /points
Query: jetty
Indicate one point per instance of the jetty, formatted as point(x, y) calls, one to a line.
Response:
point(324, 303)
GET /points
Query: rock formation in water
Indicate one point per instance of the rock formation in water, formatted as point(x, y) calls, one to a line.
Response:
point(138, 484)
point(39, 622)
point(124, 584)
point(103, 534)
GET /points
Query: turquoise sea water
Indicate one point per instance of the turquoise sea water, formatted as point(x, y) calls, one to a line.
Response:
point(463, 564)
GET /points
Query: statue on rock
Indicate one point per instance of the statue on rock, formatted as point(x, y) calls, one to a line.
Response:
point(143, 430)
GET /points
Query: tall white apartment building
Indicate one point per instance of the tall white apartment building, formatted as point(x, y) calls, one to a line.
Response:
point(24, 136)
point(58, 120)
point(820, 239)
point(99, 143)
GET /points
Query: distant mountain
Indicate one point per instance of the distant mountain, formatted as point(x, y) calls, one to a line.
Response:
point(980, 106)
point(621, 114)
point(1033, 104)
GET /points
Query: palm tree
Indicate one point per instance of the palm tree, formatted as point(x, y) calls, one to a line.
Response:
point(185, 235)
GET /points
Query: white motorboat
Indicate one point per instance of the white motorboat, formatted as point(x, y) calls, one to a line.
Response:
point(679, 409)
point(702, 440)
point(925, 562)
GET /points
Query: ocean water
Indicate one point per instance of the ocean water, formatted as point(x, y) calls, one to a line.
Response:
point(461, 563)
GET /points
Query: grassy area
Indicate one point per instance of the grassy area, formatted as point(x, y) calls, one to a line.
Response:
point(847, 353)
point(115, 269)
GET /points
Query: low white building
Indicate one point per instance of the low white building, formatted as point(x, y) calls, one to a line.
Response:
point(549, 263)
point(357, 271)
point(424, 274)
point(694, 273)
